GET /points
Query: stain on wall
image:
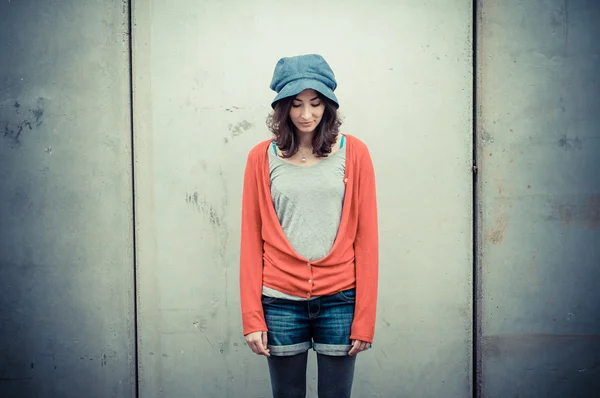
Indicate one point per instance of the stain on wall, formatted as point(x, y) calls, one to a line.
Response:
point(213, 213)
point(18, 118)
point(240, 128)
point(569, 144)
point(579, 211)
point(496, 233)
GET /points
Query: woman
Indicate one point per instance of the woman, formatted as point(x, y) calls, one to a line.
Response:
point(309, 244)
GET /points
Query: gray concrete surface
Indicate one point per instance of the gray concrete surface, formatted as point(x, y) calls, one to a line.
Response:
point(66, 257)
point(202, 72)
point(539, 146)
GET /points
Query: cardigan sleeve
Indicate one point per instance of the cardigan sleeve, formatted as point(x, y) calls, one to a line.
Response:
point(366, 252)
point(251, 253)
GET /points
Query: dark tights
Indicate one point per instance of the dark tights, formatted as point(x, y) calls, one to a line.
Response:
point(288, 375)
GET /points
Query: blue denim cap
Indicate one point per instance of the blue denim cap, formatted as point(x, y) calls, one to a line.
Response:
point(293, 75)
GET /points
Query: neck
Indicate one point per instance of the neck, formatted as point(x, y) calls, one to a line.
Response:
point(305, 139)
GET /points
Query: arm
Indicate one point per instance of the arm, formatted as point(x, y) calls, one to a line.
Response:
point(251, 254)
point(366, 253)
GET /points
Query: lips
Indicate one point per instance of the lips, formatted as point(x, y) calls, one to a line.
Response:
point(306, 124)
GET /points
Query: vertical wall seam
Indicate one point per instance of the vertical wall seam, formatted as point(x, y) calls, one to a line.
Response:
point(476, 326)
point(134, 237)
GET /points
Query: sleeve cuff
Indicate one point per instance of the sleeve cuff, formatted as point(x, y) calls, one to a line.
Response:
point(253, 321)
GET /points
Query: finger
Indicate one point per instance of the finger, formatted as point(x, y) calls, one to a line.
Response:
point(258, 348)
point(354, 349)
point(262, 350)
point(358, 346)
point(264, 342)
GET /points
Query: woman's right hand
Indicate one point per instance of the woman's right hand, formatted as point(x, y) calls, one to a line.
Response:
point(257, 341)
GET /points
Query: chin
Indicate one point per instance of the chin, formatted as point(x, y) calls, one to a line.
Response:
point(304, 129)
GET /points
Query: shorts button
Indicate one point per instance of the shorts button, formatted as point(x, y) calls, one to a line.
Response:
point(310, 281)
point(308, 264)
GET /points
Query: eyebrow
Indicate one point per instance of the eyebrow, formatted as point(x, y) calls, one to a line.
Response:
point(312, 99)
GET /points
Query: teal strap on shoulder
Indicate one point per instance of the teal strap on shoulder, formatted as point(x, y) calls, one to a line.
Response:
point(274, 148)
point(342, 141)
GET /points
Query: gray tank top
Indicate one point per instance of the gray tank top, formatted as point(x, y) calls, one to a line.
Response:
point(308, 201)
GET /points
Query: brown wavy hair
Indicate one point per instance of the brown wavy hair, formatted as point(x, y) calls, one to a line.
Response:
point(280, 124)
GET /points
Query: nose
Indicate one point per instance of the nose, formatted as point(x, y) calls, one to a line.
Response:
point(306, 113)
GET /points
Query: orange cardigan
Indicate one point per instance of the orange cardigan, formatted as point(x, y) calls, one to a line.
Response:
point(266, 256)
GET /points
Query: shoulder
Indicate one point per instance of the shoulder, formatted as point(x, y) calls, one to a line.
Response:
point(259, 151)
point(358, 146)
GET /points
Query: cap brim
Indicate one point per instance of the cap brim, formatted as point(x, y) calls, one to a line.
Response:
point(297, 86)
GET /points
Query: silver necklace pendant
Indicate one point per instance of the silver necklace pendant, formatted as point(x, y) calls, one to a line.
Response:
point(303, 159)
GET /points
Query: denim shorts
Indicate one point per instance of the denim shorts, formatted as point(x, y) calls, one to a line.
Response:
point(322, 323)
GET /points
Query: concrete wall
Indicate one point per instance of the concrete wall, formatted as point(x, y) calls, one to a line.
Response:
point(202, 73)
point(539, 190)
point(66, 258)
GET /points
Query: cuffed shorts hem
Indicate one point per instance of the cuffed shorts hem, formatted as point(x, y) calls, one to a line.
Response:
point(335, 350)
point(289, 350)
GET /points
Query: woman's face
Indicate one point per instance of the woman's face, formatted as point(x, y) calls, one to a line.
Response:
point(307, 111)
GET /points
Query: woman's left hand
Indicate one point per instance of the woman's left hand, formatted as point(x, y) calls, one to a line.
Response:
point(358, 346)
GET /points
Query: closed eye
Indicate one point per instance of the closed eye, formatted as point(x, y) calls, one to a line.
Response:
point(298, 105)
